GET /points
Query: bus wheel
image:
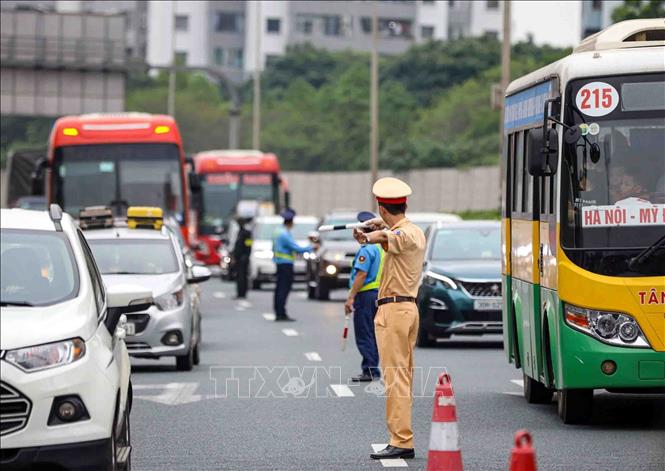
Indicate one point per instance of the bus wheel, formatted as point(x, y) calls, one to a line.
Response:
point(536, 392)
point(575, 405)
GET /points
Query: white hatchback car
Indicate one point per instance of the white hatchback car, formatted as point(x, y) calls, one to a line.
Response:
point(65, 390)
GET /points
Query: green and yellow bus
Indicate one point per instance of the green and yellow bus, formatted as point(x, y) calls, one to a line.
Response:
point(583, 227)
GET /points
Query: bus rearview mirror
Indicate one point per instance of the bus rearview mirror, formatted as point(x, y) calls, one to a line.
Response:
point(542, 152)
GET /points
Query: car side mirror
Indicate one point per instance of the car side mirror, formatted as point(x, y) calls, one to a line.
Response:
point(124, 299)
point(37, 177)
point(542, 152)
point(199, 274)
point(194, 182)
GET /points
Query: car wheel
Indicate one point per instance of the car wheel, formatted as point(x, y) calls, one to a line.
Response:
point(575, 405)
point(256, 284)
point(322, 290)
point(425, 340)
point(121, 446)
point(185, 362)
point(536, 392)
point(196, 357)
point(311, 292)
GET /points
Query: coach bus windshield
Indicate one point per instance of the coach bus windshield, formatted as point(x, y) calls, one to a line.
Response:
point(222, 191)
point(119, 175)
point(613, 175)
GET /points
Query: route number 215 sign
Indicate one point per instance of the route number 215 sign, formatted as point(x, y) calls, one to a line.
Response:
point(597, 99)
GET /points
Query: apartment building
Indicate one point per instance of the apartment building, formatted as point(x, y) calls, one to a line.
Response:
point(597, 14)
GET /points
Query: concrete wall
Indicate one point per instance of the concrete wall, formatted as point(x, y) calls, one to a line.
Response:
point(449, 190)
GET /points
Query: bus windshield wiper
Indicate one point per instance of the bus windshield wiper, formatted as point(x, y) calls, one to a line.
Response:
point(16, 303)
point(646, 253)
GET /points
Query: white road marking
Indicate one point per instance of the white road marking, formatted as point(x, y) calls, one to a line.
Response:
point(519, 382)
point(313, 356)
point(396, 463)
point(342, 390)
point(244, 303)
point(513, 393)
point(172, 394)
point(219, 295)
point(240, 308)
point(302, 295)
point(268, 316)
point(290, 332)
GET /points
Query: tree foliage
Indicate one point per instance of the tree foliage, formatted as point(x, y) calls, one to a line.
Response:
point(636, 9)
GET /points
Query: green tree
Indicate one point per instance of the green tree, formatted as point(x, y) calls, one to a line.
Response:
point(636, 9)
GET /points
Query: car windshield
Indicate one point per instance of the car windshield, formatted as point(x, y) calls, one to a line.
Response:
point(472, 243)
point(613, 179)
point(270, 230)
point(119, 175)
point(346, 234)
point(134, 256)
point(38, 268)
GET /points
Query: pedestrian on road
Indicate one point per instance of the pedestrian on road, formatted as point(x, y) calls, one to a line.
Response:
point(241, 253)
point(284, 250)
point(396, 321)
point(364, 287)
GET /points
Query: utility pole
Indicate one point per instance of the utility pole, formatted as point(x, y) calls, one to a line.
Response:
point(256, 115)
point(172, 72)
point(374, 102)
point(505, 80)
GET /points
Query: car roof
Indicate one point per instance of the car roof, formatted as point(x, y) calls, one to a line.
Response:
point(279, 219)
point(126, 233)
point(468, 224)
point(342, 215)
point(16, 218)
point(417, 217)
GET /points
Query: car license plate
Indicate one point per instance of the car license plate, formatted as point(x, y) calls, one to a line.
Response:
point(487, 304)
point(130, 328)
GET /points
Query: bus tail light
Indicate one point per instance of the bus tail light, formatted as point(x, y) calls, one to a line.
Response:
point(613, 328)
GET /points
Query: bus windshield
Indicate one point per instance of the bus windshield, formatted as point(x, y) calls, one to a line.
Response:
point(613, 187)
point(222, 191)
point(119, 175)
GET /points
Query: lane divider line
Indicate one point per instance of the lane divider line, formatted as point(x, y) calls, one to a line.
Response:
point(396, 463)
point(313, 356)
point(268, 316)
point(342, 390)
point(218, 295)
point(290, 332)
point(519, 382)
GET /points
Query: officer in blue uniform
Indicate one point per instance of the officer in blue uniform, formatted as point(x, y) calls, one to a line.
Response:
point(284, 251)
point(364, 286)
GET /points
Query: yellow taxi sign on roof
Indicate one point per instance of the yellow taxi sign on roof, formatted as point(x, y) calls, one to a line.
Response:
point(145, 217)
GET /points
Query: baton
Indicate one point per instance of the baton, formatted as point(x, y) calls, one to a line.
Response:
point(341, 227)
point(346, 331)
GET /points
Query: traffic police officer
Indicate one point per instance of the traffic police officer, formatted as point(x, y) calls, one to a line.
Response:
point(396, 321)
point(284, 250)
point(241, 253)
point(364, 285)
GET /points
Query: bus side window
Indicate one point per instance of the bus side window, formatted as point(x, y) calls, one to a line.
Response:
point(518, 172)
point(527, 197)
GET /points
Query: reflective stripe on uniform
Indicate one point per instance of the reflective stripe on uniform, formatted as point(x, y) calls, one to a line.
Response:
point(248, 242)
point(284, 256)
point(375, 284)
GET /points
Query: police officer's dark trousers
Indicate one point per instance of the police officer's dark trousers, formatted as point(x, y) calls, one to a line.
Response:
point(283, 288)
point(364, 310)
point(241, 276)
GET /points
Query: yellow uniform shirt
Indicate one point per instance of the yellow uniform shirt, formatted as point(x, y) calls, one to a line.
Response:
point(403, 265)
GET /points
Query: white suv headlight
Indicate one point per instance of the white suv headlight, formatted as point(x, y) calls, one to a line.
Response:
point(46, 356)
point(613, 328)
point(432, 278)
point(169, 301)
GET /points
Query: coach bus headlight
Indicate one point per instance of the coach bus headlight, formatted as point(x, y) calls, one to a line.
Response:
point(613, 328)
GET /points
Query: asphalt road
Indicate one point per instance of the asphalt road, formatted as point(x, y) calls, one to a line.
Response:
point(300, 411)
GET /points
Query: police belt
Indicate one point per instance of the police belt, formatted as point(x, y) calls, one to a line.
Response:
point(395, 299)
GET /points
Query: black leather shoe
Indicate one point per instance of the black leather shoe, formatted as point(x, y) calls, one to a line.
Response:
point(392, 452)
point(284, 319)
point(362, 378)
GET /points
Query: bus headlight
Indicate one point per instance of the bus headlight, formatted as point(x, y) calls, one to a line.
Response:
point(613, 328)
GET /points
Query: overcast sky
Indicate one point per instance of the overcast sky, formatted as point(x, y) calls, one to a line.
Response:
point(558, 23)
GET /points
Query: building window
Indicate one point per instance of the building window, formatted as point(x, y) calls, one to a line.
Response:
point(271, 59)
point(181, 22)
point(273, 25)
point(181, 58)
point(427, 32)
point(597, 5)
point(493, 35)
point(492, 4)
point(455, 32)
point(219, 56)
point(235, 58)
point(304, 24)
point(390, 27)
point(332, 25)
point(229, 22)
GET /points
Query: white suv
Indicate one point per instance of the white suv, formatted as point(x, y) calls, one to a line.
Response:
point(65, 390)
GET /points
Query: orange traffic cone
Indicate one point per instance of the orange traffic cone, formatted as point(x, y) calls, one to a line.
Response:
point(523, 457)
point(444, 452)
